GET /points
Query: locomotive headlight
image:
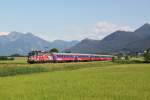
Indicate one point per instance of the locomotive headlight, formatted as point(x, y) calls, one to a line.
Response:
point(50, 57)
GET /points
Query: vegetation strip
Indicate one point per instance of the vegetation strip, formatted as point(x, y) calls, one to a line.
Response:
point(20, 66)
point(10, 70)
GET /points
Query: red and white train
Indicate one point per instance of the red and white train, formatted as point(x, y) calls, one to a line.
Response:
point(44, 57)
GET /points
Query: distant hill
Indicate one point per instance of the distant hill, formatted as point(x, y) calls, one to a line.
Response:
point(143, 31)
point(21, 43)
point(119, 41)
point(86, 46)
point(62, 45)
point(139, 45)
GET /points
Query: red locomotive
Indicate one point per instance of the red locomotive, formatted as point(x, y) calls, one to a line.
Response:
point(44, 57)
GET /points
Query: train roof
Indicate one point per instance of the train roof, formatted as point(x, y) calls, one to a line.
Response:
point(75, 54)
point(82, 54)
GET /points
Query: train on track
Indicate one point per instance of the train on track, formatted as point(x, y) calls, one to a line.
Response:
point(47, 57)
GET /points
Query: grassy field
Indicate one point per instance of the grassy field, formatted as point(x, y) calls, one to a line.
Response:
point(20, 66)
point(77, 81)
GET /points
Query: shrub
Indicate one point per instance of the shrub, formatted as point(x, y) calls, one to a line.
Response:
point(113, 59)
point(54, 50)
point(6, 58)
point(147, 56)
point(128, 61)
point(10, 71)
point(126, 57)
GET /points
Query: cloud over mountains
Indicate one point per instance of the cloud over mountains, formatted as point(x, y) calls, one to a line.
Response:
point(4, 33)
point(104, 28)
point(98, 31)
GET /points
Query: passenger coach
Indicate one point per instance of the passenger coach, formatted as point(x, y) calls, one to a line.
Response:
point(43, 57)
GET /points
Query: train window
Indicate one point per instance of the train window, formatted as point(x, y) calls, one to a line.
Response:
point(32, 53)
point(104, 56)
point(39, 53)
point(59, 56)
point(82, 56)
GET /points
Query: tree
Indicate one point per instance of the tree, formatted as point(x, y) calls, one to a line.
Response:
point(126, 57)
point(113, 59)
point(16, 55)
point(147, 55)
point(67, 51)
point(54, 50)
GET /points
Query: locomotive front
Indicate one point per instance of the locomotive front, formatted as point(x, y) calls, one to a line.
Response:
point(39, 57)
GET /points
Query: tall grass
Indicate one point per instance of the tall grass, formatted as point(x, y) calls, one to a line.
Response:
point(20, 66)
point(16, 69)
point(118, 82)
point(9, 71)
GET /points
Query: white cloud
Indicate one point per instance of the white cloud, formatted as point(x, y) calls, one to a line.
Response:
point(99, 31)
point(103, 29)
point(106, 27)
point(4, 33)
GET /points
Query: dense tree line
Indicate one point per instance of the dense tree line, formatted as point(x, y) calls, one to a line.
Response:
point(147, 55)
point(6, 58)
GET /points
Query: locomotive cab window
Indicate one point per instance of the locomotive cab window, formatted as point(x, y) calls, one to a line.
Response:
point(32, 53)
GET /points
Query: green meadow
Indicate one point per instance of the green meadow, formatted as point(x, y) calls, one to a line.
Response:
point(74, 81)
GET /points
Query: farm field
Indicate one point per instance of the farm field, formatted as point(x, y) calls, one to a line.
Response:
point(77, 81)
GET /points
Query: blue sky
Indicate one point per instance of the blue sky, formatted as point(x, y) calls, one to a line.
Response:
point(72, 19)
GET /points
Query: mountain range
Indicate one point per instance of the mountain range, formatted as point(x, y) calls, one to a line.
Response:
point(119, 41)
point(20, 43)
